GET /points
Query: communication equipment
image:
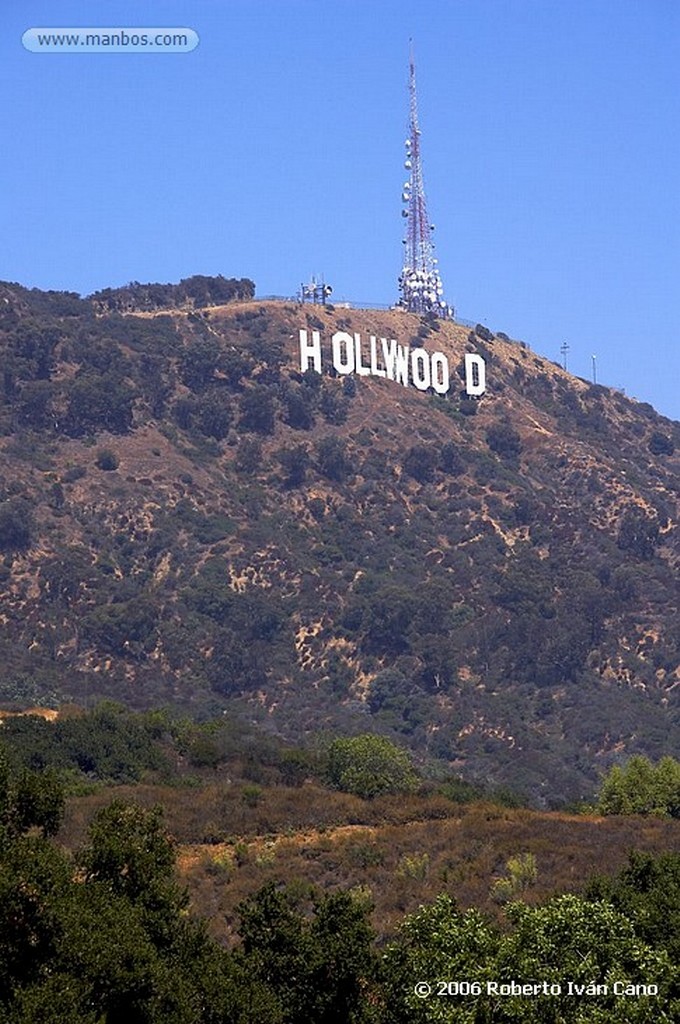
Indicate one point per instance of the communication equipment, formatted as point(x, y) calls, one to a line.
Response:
point(420, 286)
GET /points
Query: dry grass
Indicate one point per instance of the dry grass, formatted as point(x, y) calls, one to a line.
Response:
point(333, 840)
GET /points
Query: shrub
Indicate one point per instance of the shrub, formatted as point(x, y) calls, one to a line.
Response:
point(522, 875)
point(98, 402)
point(213, 414)
point(69, 476)
point(295, 462)
point(450, 461)
point(257, 410)
point(106, 460)
point(468, 406)
point(198, 363)
point(504, 440)
point(638, 533)
point(332, 459)
point(251, 795)
point(248, 455)
point(15, 526)
point(317, 507)
point(415, 867)
point(349, 387)
point(121, 629)
point(420, 462)
point(333, 405)
point(660, 444)
point(299, 407)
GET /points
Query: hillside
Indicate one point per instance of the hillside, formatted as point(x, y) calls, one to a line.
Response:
point(404, 851)
point(186, 518)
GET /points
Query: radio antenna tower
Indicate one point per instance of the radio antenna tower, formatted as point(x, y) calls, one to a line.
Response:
point(420, 285)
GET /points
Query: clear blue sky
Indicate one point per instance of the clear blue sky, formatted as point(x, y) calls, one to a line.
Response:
point(274, 150)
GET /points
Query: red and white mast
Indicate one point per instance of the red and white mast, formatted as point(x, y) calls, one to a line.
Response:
point(420, 285)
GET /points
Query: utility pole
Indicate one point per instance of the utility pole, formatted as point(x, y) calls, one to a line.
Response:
point(564, 349)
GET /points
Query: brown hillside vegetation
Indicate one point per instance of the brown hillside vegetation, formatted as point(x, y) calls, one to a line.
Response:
point(404, 850)
point(185, 518)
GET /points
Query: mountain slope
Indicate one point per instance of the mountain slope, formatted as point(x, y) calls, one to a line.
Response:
point(184, 516)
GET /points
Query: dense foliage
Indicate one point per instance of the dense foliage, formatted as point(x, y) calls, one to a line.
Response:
point(108, 744)
point(104, 935)
point(641, 787)
point(567, 941)
point(198, 291)
point(370, 765)
point(648, 892)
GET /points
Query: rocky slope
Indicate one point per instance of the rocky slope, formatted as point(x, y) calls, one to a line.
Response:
point(186, 517)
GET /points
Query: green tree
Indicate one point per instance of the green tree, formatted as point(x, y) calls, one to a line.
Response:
point(37, 802)
point(34, 876)
point(29, 800)
point(570, 939)
point(107, 939)
point(667, 786)
point(647, 891)
point(641, 787)
point(567, 940)
point(130, 852)
point(369, 765)
point(437, 942)
point(613, 797)
point(318, 966)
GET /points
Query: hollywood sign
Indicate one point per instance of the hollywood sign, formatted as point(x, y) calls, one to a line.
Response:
point(383, 358)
